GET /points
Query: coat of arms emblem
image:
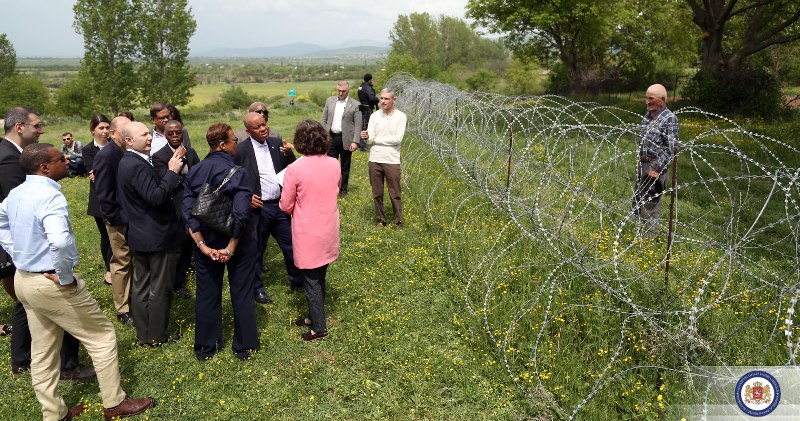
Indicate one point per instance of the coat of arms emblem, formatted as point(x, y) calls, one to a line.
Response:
point(758, 394)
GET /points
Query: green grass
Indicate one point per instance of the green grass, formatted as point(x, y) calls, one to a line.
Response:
point(205, 94)
point(401, 346)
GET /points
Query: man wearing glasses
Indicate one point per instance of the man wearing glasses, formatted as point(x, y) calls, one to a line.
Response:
point(342, 118)
point(260, 108)
point(264, 154)
point(174, 131)
point(159, 115)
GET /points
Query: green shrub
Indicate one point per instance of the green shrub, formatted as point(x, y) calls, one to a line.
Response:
point(318, 96)
point(746, 92)
point(21, 89)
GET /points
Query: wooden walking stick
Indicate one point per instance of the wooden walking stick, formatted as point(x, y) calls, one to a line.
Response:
point(671, 213)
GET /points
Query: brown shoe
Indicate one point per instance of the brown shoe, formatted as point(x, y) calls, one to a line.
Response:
point(74, 412)
point(78, 373)
point(128, 407)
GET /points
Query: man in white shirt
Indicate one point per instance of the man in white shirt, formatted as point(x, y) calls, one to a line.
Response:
point(384, 134)
point(342, 118)
point(35, 229)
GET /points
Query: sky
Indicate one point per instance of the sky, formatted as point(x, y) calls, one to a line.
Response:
point(43, 28)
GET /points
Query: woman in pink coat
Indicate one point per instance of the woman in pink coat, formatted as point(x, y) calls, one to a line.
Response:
point(310, 190)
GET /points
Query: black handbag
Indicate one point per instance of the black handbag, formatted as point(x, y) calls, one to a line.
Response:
point(214, 209)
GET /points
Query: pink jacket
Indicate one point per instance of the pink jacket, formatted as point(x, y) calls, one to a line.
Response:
point(310, 192)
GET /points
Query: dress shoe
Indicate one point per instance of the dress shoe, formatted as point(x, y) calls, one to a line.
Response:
point(6, 330)
point(309, 336)
point(128, 407)
point(175, 337)
point(125, 318)
point(18, 369)
point(74, 412)
point(263, 298)
point(78, 373)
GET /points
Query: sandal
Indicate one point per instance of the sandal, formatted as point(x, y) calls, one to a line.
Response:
point(5, 330)
point(302, 322)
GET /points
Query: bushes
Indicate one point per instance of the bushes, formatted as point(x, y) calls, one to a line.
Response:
point(746, 92)
point(21, 89)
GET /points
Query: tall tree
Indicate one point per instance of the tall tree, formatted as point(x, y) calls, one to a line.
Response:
point(594, 40)
point(8, 57)
point(733, 30)
point(164, 28)
point(434, 44)
point(109, 55)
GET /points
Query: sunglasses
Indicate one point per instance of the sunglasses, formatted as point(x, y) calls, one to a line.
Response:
point(265, 113)
point(175, 132)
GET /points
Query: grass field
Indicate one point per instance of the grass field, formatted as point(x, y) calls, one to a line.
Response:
point(395, 350)
point(204, 94)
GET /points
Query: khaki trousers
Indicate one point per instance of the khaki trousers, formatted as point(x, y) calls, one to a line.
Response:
point(121, 268)
point(51, 310)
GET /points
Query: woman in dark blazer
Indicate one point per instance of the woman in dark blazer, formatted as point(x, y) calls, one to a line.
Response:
point(99, 127)
point(215, 251)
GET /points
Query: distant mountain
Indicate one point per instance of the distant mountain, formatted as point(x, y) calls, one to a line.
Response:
point(300, 49)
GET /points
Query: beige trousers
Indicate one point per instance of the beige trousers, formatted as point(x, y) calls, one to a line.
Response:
point(51, 310)
point(121, 268)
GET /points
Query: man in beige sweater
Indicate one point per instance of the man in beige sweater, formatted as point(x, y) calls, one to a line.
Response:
point(384, 134)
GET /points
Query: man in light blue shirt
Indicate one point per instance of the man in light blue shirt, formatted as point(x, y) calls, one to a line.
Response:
point(36, 231)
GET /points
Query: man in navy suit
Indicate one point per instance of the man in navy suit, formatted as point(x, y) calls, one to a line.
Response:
point(174, 132)
point(105, 166)
point(155, 233)
point(264, 155)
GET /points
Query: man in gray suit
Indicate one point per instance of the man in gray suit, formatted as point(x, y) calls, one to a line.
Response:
point(342, 118)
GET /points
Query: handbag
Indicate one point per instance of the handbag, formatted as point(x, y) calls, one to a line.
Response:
point(214, 209)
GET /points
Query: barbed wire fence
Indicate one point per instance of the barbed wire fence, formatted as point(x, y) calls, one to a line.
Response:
point(533, 196)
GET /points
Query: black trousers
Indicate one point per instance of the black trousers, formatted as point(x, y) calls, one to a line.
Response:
point(338, 151)
point(21, 342)
point(105, 244)
point(208, 308)
point(184, 263)
point(151, 294)
point(273, 221)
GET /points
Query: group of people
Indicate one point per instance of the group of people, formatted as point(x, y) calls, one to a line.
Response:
point(142, 194)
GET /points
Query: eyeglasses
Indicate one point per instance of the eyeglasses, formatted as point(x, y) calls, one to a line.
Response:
point(35, 126)
point(175, 132)
point(265, 113)
point(61, 158)
point(235, 139)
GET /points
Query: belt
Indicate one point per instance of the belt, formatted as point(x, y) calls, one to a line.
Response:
point(336, 134)
point(49, 272)
point(271, 200)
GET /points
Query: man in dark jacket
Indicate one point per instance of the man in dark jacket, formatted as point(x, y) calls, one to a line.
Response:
point(155, 233)
point(264, 155)
point(369, 102)
point(106, 164)
point(174, 132)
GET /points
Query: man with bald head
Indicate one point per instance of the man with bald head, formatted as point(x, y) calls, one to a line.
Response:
point(264, 154)
point(106, 163)
point(658, 139)
point(155, 233)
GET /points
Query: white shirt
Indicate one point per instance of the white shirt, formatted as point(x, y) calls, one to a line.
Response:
point(338, 113)
point(144, 156)
point(35, 228)
point(270, 189)
point(159, 141)
point(385, 134)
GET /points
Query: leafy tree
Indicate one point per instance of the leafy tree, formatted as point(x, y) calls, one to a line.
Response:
point(26, 90)
point(595, 41)
point(427, 46)
point(164, 28)
point(523, 77)
point(733, 30)
point(108, 28)
point(8, 57)
point(75, 98)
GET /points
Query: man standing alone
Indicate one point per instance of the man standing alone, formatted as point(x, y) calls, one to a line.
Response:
point(659, 136)
point(342, 118)
point(384, 133)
